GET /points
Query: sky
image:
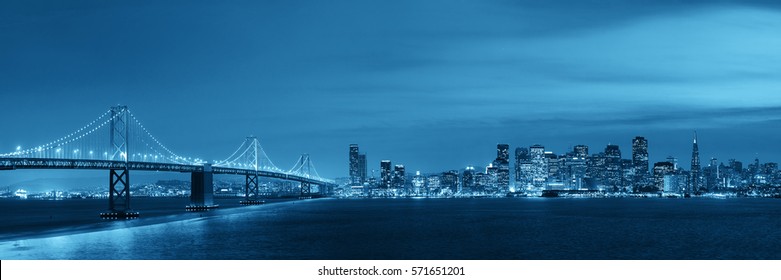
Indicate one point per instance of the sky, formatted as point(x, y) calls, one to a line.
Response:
point(433, 84)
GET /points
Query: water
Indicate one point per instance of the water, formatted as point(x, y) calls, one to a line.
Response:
point(512, 228)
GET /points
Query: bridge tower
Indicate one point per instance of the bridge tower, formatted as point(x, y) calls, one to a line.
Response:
point(305, 169)
point(252, 157)
point(119, 176)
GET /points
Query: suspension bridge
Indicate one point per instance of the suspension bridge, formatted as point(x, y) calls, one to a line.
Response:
point(118, 142)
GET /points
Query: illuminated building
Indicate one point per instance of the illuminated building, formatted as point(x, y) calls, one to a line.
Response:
point(386, 175)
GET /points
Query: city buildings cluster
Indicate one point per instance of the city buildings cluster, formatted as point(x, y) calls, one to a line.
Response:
point(537, 171)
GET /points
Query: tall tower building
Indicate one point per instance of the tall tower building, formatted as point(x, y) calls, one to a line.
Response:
point(354, 165)
point(539, 166)
point(399, 176)
point(503, 153)
point(502, 164)
point(522, 167)
point(418, 183)
point(613, 166)
point(362, 168)
point(386, 175)
point(468, 180)
point(695, 172)
point(580, 151)
point(640, 159)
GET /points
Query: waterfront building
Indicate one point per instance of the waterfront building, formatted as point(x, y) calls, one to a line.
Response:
point(449, 181)
point(399, 177)
point(523, 168)
point(468, 184)
point(502, 164)
point(433, 185)
point(640, 160)
point(660, 170)
point(386, 175)
point(418, 184)
point(357, 166)
point(539, 170)
point(492, 172)
point(613, 176)
point(695, 167)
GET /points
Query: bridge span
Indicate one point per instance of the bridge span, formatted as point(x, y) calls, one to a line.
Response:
point(106, 142)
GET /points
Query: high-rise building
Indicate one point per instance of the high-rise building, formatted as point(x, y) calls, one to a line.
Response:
point(418, 183)
point(362, 168)
point(596, 169)
point(613, 176)
point(502, 163)
point(482, 181)
point(399, 177)
point(660, 170)
point(695, 171)
point(574, 170)
point(710, 175)
point(450, 181)
point(539, 166)
point(386, 175)
point(433, 185)
point(468, 180)
point(675, 183)
point(492, 172)
point(640, 160)
point(354, 163)
point(357, 166)
point(523, 164)
point(580, 151)
point(628, 171)
point(503, 152)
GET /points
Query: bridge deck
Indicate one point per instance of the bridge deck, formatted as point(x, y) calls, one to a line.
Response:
point(46, 163)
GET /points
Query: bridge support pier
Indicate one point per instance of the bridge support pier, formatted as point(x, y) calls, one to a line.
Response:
point(119, 196)
point(202, 190)
point(306, 190)
point(251, 191)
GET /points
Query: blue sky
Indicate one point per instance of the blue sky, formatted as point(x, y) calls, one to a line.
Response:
point(434, 85)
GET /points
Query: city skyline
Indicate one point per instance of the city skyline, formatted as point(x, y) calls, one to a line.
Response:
point(435, 84)
point(645, 159)
point(577, 172)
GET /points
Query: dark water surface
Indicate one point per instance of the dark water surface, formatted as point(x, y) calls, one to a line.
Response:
point(512, 228)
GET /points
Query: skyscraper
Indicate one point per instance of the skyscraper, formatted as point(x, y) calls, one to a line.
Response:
point(450, 181)
point(640, 159)
point(362, 167)
point(522, 167)
point(660, 170)
point(503, 153)
point(695, 171)
point(354, 163)
point(357, 166)
point(613, 167)
point(468, 180)
point(581, 151)
point(418, 183)
point(399, 176)
point(385, 174)
point(539, 166)
point(502, 164)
